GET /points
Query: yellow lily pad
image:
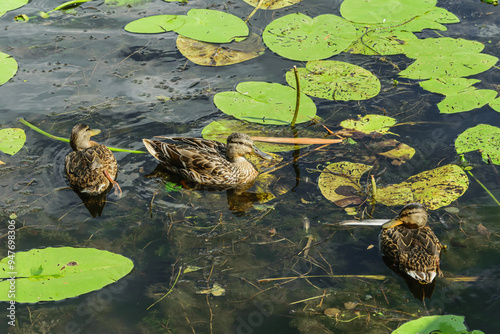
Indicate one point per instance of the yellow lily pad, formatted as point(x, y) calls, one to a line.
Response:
point(217, 290)
point(399, 154)
point(370, 124)
point(208, 54)
point(339, 182)
point(272, 4)
point(434, 188)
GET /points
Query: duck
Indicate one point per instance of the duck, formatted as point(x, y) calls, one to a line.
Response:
point(208, 162)
point(410, 246)
point(91, 168)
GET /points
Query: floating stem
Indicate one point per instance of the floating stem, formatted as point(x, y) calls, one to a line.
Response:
point(297, 100)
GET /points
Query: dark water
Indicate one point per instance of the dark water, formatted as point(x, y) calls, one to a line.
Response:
point(85, 68)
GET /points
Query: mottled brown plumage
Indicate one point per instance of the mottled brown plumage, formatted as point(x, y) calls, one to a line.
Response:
point(411, 246)
point(91, 168)
point(208, 162)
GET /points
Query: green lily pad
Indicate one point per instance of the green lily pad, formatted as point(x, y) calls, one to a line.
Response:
point(12, 140)
point(272, 4)
point(52, 274)
point(299, 37)
point(448, 86)
point(435, 188)
point(373, 41)
point(8, 67)
point(484, 138)
point(465, 101)
point(495, 104)
point(210, 54)
point(265, 103)
point(369, 124)
point(156, 24)
point(378, 11)
point(6, 5)
point(433, 19)
point(445, 46)
point(335, 80)
point(221, 129)
point(448, 324)
point(212, 26)
point(339, 182)
point(458, 65)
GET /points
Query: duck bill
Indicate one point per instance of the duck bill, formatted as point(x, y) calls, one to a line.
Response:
point(94, 132)
point(261, 154)
point(393, 222)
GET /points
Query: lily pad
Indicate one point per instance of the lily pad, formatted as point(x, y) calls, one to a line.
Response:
point(465, 101)
point(339, 182)
point(52, 274)
point(335, 80)
point(378, 11)
point(8, 67)
point(12, 140)
point(221, 129)
point(495, 104)
point(209, 54)
point(458, 65)
point(265, 103)
point(449, 324)
point(299, 37)
point(373, 41)
point(272, 4)
point(445, 46)
point(448, 86)
point(213, 26)
point(435, 188)
point(369, 124)
point(156, 24)
point(6, 5)
point(484, 138)
point(400, 154)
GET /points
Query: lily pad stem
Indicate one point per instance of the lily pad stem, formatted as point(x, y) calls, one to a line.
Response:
point(484, 187)
point(168, 292)
point(28, 124)
point(297, 100)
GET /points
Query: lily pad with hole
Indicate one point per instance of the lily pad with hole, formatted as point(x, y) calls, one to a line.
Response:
point(434, 188)
point(265, 103)
point(299, 37)
point(484, 138)
point(369, 124)
point(339, 182)
point(221, 129)
point(57, 273)
point(155, 24)
point(467, 100)
point(378, 11)
point(335, 80)
point(449, 324)
point(12, 140)
point(8, 67)
point(213, 26)
point(209, 54)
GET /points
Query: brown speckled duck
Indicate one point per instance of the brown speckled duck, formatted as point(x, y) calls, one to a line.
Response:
point(208, 162)
point(410, 245)
point(91, 168)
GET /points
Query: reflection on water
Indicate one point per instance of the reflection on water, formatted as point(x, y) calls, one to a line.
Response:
point(85, 68)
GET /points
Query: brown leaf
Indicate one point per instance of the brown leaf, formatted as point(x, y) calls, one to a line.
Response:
point(481, 229)
point(350, 305)
point(332, 312)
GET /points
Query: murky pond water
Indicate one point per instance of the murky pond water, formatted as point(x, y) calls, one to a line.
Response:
point(84, 67)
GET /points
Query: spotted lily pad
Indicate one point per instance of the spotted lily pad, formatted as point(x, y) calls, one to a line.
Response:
point(467, 100)
point(369, 124)
point(400, 154)
point(209, 54)
point(435, 188)
point(12, 140)
point(339, 182)
point(484, 138)
point(299, 37)
point(448, 86)
point(373, 41)
point(272, 4)
point(335, 80)
point(265, 103)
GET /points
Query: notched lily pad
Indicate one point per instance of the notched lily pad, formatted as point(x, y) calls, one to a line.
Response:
point(339, 182)
point(299, 37)
point(335, 80)
point(435, 188)
point(8, 67)
point(208, 54)
point(484, 138)
point(467, 100)
point(265, 103)
point(373, 41)
point(370, 124)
